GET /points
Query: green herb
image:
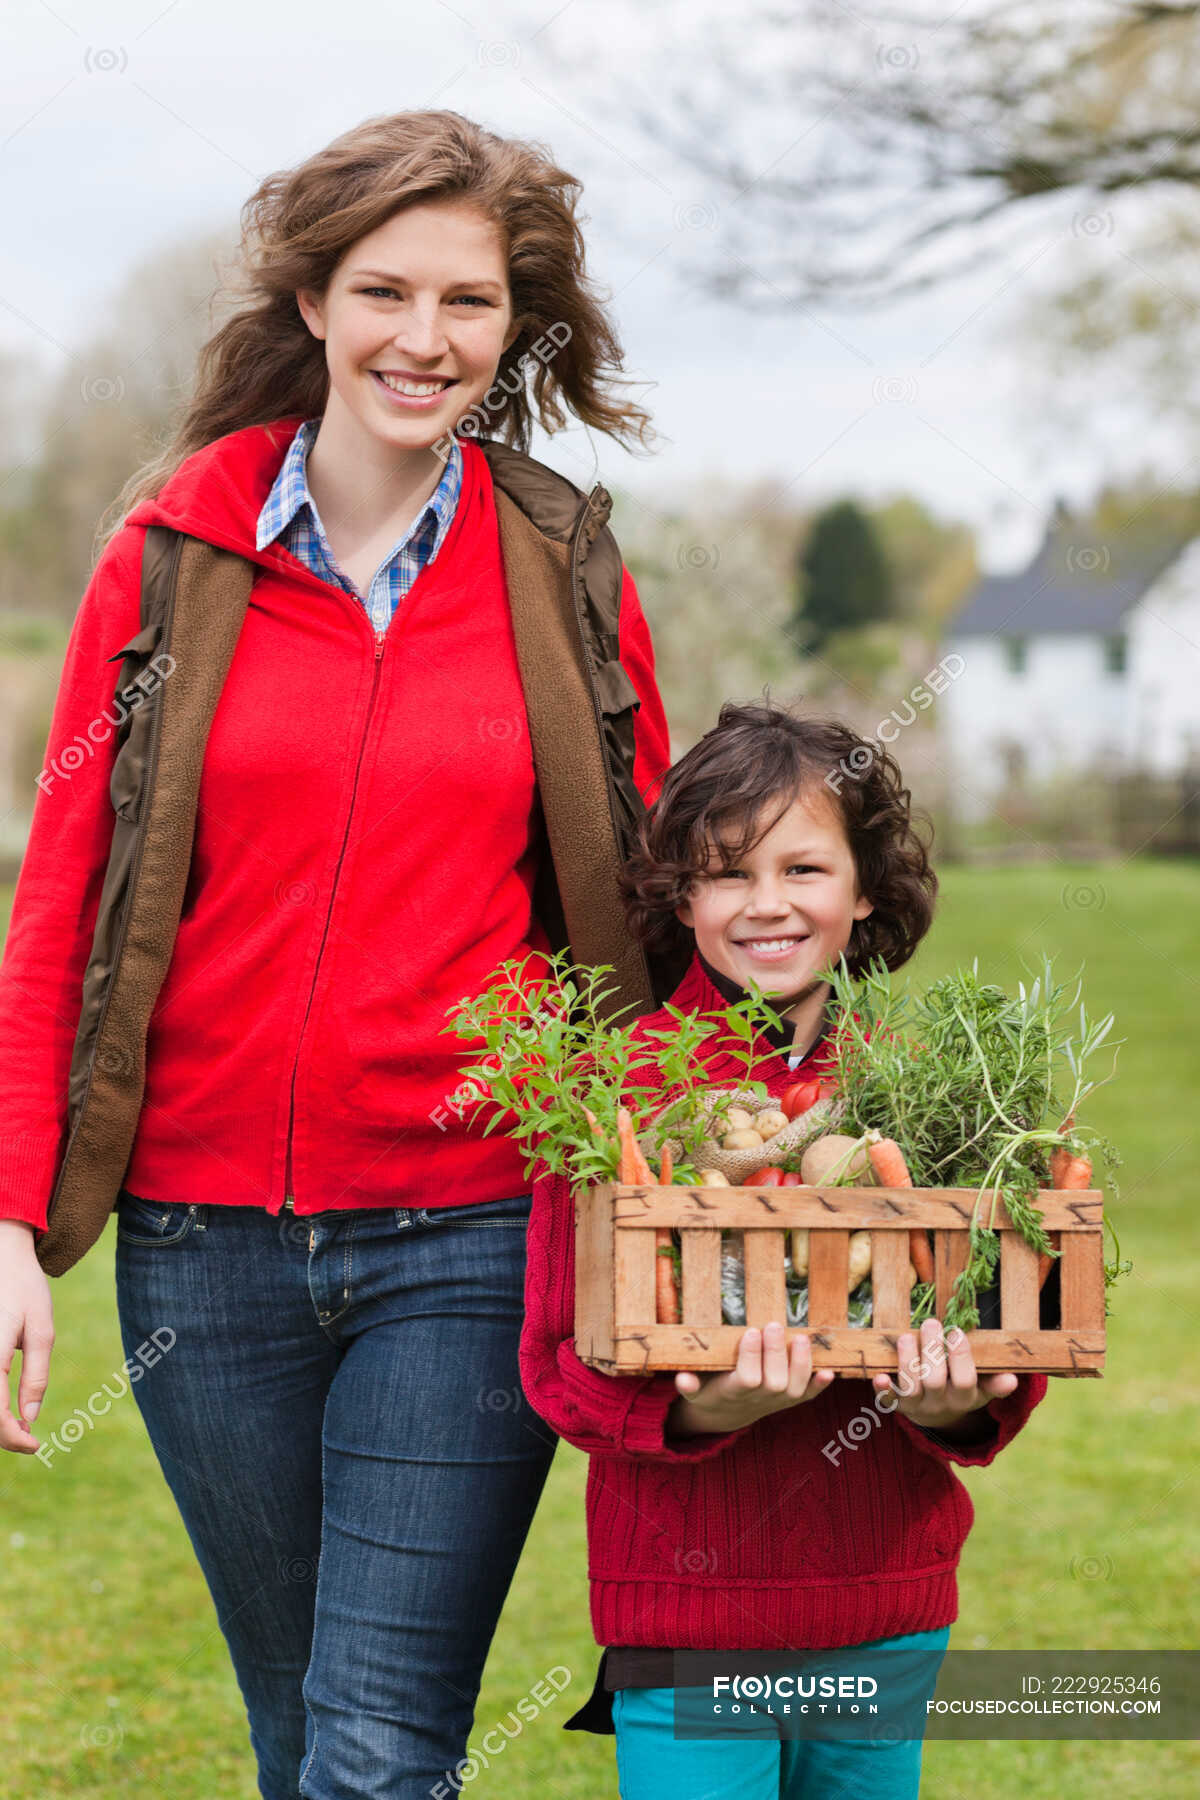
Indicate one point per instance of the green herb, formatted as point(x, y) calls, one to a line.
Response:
point(972, 1083)
point(553, 1053)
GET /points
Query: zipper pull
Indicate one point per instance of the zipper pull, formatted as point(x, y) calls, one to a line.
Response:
point(379, 637)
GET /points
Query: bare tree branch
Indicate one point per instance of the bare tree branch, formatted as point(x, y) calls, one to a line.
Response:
point(913, 153)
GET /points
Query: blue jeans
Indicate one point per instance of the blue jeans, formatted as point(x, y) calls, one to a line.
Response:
point(651, 1761)
point(341, 1422)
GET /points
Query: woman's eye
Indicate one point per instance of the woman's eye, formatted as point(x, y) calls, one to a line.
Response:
point(391, 292)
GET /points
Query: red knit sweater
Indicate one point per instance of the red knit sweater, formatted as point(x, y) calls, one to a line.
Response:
point(779, 1536)
point(367, 834)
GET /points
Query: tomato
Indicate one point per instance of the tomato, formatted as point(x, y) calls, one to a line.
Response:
point(792, 1178)
point(799, 1097)
point(827, 1087)
point(767, 1177)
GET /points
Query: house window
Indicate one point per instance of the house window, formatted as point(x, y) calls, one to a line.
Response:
point(1016, 655)
point(1115, 653)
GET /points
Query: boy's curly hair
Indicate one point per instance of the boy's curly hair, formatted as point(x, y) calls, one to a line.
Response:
point(721, 793)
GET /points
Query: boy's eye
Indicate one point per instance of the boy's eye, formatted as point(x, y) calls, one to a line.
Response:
point(739, 874)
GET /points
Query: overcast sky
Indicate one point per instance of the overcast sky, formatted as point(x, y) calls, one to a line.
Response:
point(126, 122)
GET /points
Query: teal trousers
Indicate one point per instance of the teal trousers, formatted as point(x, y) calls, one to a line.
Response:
point(653, 1763)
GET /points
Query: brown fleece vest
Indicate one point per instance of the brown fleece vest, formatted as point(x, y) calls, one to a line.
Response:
point(563, 572)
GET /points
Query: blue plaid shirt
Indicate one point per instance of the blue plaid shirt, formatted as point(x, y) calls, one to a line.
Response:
point(290, 515)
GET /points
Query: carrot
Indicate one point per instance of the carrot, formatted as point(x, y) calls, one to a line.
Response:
point(666, 1299)
point(1067, 1171)
point(626, 1161)
point(887, 1160)
point(666, 1309)
point(633, 1166)
point(891, 1170)
point(1060, 1154)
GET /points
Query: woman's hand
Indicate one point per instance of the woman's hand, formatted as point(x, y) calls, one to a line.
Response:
point(765, 1380)
point(939, 1387)
point(27, 1324)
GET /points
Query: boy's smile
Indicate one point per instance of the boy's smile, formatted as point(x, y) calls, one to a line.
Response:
point(784, 910)
point(773, 949)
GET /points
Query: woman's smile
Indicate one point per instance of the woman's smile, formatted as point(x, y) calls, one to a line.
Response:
point(411, 392)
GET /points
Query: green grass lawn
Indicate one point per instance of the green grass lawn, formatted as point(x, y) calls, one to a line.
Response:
point(115, 1679)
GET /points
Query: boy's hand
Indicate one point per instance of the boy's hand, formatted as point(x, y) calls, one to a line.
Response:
point(940, 1387)
point(766, 1379)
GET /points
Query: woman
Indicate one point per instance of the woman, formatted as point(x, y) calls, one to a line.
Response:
point(394, 713)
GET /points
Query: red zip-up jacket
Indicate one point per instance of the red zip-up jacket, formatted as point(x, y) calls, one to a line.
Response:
point(829, 1523)
point(364, 857)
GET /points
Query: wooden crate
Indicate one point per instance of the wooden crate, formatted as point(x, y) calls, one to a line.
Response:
point(615, 1263)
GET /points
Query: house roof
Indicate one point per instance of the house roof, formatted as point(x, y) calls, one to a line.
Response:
point(1071, 585)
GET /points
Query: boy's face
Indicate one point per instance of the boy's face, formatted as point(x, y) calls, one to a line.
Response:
point(788, 907)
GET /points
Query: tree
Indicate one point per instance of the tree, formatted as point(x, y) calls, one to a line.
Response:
point(844, 580)
point(850, 156)
point(108, 410)
point(714, 569)
point(927, 142)
point(837, 156)
point(932, 561)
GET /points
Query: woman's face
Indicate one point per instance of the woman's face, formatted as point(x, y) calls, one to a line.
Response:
point(423, 300)
point(786, 909)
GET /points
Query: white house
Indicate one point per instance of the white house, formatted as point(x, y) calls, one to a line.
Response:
point(1087, 659)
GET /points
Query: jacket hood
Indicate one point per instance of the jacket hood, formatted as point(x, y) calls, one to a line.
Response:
point(218, 492)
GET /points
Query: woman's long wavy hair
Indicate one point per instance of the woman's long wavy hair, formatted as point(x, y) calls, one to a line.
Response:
point(735, 784)
point(264, 363)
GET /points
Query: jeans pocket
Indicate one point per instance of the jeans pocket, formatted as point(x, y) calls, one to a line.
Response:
point(512, 1212)
point(153, 1222)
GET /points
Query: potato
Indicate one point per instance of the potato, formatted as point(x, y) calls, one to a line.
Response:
point(744, 1139)
point(800, 1251)
point(913, 1277)
point(769, 1122)
point(860, 1257)
point(828, 1161)
point(738, 1119)
point(714, 1178)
